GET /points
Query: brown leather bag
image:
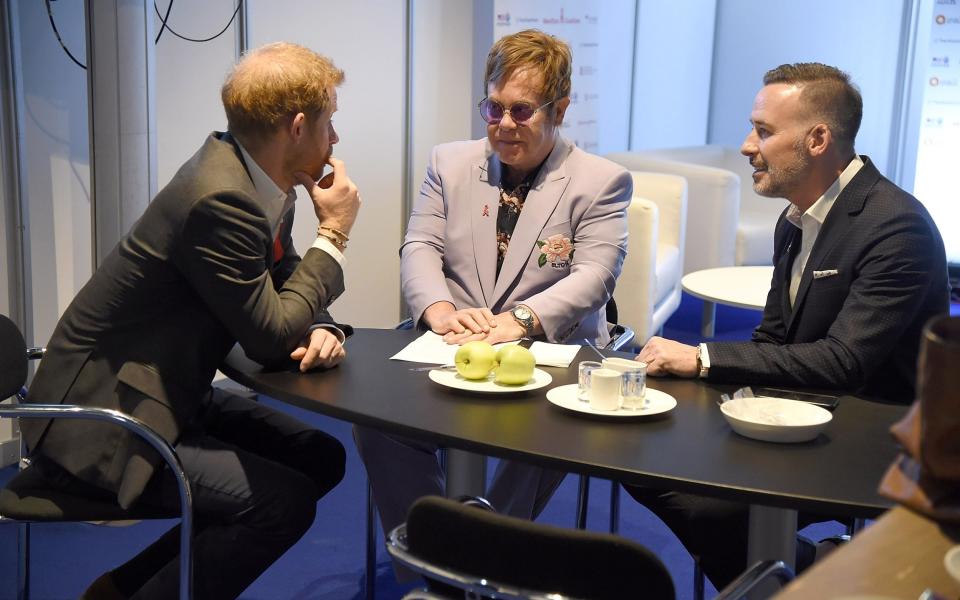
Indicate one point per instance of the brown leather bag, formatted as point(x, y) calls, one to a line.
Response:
point(926, 474)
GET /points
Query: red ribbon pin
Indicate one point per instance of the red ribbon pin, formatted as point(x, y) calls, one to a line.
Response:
point(486, 210)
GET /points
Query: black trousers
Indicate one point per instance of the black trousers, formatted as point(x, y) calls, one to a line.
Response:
point(256, 475)
point(714, 530)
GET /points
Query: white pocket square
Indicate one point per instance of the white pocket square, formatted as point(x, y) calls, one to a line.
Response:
point(826, 273)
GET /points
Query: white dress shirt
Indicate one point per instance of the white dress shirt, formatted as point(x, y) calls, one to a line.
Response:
point(809, 222)
point(277, 203)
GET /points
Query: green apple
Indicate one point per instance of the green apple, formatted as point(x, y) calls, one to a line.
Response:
point(475, 360)
point(515, 365)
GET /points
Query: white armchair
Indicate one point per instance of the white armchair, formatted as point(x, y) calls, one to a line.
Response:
point(729, 223)
point(648, 290)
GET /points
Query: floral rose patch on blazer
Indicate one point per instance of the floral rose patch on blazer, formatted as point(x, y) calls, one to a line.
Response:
point(556, 250)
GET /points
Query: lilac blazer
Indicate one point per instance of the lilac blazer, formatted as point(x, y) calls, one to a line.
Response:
point(565, 254)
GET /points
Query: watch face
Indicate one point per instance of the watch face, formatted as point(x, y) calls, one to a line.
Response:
point(521, 312)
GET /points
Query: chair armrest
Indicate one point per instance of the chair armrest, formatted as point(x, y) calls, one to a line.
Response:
point(714, 207)
point(141, 429)
point(637, 283)
point(752, 577)
point(405, 324)
point(669, 193)
point(36, 353)
point(620, 337)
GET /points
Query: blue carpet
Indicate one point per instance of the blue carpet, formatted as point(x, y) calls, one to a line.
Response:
point(327, 564)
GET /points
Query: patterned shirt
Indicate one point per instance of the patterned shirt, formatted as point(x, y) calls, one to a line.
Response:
point(511, 203)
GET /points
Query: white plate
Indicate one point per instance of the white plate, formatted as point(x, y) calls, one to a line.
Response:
point(452, 379)
point(565, 396)
point(775, 419)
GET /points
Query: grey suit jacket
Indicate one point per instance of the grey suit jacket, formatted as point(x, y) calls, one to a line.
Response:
point(145, 335)
point(857, 329)
point(450, 250)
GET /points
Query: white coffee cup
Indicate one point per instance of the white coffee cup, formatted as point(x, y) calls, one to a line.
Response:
point(622, 364)
point(605, 389)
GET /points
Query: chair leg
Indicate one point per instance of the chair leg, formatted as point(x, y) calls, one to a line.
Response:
point(370, 569)
point(23, 566)
point(583, 498)
point(614, 506)
point(856, 526)
point(699, 580)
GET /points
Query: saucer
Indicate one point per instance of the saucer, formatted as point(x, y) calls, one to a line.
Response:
point(565, 396)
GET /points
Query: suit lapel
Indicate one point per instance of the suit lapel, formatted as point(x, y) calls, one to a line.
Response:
point(835, 228)
point(541, 201)
point(484, 202)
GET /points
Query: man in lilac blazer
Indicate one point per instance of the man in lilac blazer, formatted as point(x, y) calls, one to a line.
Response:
point(562, 261)
point(518, 235)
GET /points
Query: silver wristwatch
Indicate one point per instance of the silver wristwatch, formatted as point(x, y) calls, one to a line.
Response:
point(523, 315)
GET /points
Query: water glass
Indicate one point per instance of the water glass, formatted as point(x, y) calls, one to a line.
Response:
point(633, 388)
point(583, 379)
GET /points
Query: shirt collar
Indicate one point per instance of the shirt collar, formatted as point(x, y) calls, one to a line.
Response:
point(821, 208)
point(275, 202)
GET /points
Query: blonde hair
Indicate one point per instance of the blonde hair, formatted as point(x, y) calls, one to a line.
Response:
point(275, 82)
point(534, 50)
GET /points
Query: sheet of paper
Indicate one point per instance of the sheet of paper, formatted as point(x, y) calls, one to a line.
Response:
point(430, 348)
point(554, 355)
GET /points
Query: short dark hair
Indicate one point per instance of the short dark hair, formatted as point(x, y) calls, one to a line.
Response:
point(828, 94)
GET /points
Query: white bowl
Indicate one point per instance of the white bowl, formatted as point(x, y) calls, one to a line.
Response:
point(775, 419)
point(951, 561)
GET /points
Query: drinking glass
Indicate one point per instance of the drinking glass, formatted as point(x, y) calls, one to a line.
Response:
point(633, 387)
point(583, 379)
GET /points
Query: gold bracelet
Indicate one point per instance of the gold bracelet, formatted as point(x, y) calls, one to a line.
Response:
point(335, 232)
point(336, 243)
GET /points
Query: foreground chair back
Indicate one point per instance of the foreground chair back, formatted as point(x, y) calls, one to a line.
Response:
point(27, 498)
point(469, 552)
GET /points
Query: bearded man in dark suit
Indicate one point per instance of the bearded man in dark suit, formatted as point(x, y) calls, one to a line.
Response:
point(209, 264)
point(859, 268)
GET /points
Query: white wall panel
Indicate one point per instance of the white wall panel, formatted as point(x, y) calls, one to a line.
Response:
point(671, 86)
point(367, 40)
point(55, 162)
point(189, 76)
point(444, 75)
point(753, 37)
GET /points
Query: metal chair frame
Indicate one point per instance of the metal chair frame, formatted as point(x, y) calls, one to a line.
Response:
point(132, 424)
point(474, 586)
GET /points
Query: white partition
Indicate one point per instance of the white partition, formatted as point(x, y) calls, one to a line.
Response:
point(863, 40)
point(188, 78)
point(367, 40)
point(672, 71)
point(55, 169)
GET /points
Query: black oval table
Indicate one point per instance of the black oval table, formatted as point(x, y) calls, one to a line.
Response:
point(690, 449)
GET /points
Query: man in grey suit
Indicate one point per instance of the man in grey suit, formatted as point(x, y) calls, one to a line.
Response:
point(518, 235)
point(209, 264)
point(859, 268)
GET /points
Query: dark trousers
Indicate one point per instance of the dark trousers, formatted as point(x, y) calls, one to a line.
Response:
point(256, 475)
point(711, 529)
